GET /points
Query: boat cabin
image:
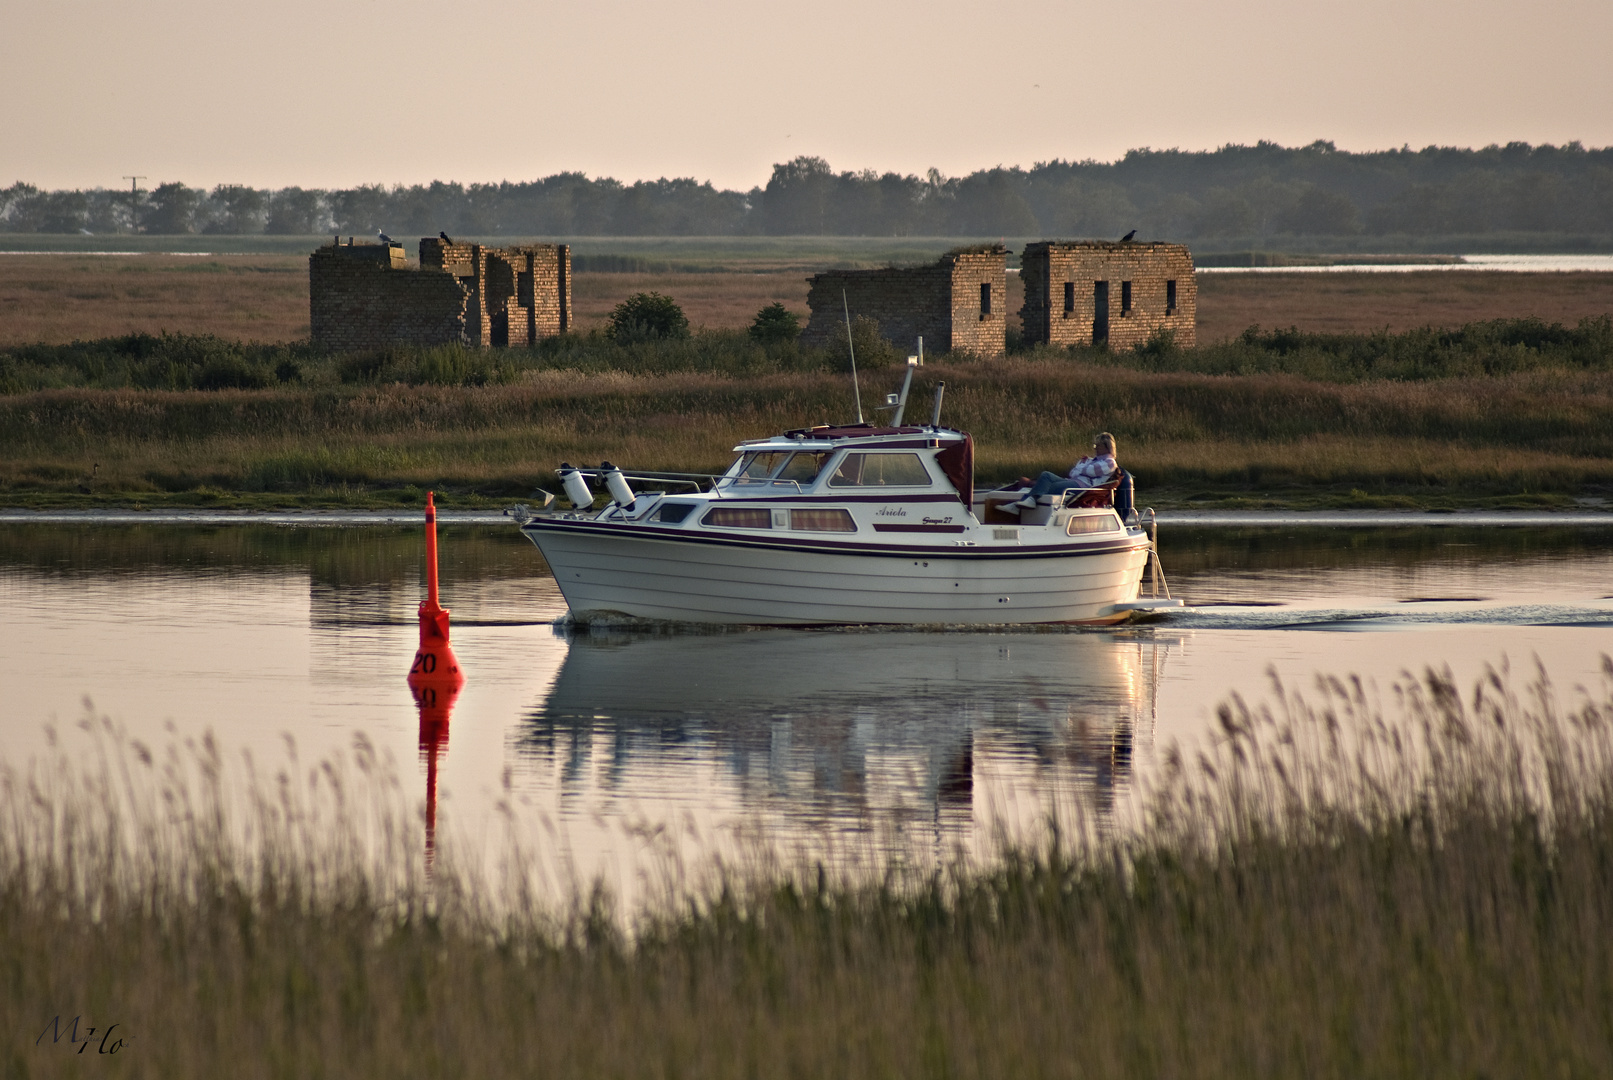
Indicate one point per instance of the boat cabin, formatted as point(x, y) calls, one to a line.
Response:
point(829, 459)
point(855, 479)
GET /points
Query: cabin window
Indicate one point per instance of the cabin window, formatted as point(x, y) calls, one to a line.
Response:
point(1092, 523)
point(822, 521)
point(1125, 298)
point(738, 517)
point(672, 513)
point(759, 465)
point(881, 470)
point(803, 468)
point(1170, 298)
point(985, 298)
point(1069, 296)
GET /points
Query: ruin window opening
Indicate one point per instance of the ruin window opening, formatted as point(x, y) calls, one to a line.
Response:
point(1100, 313)
point(985, 298)
point(1170, 298)
point(1069, 296)
point(1125, 298)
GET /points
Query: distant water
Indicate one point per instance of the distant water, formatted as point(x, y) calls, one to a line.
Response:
point(1533, 264)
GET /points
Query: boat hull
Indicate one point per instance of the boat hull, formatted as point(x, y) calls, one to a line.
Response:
point(604, 572)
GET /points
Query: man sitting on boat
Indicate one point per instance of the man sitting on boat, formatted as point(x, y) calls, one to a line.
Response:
point(1098, 469)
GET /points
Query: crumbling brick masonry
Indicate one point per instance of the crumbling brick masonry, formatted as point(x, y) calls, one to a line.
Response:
point(366, 296)
point(956, 304)
point(1095, 292)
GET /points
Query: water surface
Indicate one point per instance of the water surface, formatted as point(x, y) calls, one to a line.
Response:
point(595, 741)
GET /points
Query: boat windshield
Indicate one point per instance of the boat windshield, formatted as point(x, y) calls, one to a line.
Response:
point(803, 468)
point(880, 470)
point(760, 466)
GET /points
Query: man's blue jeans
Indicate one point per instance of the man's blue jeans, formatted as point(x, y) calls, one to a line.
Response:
point(1051, 483)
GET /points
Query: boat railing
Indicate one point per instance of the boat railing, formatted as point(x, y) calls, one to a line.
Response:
point(694, 480)
point(1150, 522)
point(732, 481)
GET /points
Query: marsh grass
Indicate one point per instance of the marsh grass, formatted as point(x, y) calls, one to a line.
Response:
point(1493, 347)
point(1506, 410)
point(205, 362)
point(1328, 888)
point(1530, 435)
point(1499, 347)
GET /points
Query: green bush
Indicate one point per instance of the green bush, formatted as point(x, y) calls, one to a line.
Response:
point(873, 351)
point(774, 324)
point(1160, 347)
point(648, 317)
point(151, 362)
point(435, 365)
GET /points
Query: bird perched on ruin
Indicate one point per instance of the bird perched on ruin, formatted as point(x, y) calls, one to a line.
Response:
point(446, 238)
point(385, 239)
point(1127, 238)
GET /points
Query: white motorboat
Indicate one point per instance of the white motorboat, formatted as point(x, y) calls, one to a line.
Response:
point(855, 524)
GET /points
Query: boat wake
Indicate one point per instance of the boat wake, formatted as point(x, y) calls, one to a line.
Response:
point(1409, 614)
point(1401, 616)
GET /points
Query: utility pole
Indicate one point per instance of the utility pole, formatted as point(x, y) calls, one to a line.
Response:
point(134, 200)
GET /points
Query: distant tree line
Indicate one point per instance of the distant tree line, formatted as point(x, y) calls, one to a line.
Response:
point(1259, 191)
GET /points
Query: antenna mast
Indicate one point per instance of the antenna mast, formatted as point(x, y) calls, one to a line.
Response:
point(134, 201)
point(852, 348)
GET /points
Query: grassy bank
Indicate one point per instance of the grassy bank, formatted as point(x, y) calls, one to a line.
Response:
point(1504, 413)
point(1327, 892)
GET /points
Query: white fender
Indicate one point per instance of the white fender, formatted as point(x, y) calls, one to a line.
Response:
point(576, 487)
point(617, 483)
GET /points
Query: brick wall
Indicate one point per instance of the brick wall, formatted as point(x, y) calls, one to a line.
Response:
point(518, 294)
point(361, 296)
point(364, 296)
point(979, 318)
point(1063, 294)
point(940, 302)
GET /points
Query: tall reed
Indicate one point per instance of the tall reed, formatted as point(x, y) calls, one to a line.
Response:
point(1329, 888)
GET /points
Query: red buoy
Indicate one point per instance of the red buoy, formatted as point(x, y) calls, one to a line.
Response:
point(434, 662)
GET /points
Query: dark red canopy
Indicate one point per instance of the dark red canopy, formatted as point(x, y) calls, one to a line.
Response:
point(852, 431)
point(958, 462)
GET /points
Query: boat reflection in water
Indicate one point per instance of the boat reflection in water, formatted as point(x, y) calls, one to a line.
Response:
point(959, 733)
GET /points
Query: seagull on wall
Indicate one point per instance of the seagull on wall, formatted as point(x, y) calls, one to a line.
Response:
point(385, 239)
point(446, 238)
point(1127, 238)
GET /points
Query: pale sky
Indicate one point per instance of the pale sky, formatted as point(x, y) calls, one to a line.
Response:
point(331, 93)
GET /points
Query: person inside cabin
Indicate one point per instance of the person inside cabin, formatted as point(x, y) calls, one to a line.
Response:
point(1097, 469)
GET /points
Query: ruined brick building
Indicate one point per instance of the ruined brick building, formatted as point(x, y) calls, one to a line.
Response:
point(1087, 292)
point(1093, 292)
point(957, 303)
point(365, 296)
